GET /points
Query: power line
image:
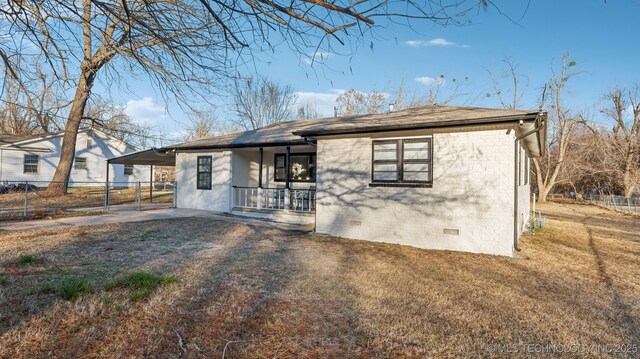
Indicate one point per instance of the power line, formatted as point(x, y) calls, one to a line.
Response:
point(124, 131)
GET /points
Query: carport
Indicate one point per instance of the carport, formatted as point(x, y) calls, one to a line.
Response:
point(150, 157)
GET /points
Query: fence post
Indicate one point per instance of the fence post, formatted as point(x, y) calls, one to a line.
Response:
point(628, 204)
point(26, 198)
point(138, 196)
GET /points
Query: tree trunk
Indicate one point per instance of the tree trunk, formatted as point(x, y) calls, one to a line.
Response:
point(627, 182)
point(60, 181)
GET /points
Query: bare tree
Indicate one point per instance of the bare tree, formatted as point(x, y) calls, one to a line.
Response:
point(563, 125)
point(510, 99)
point(307, 111)
point(353, 102)
point(441, 92)
point(182, 45)
point(622, 144)
point(262, 102)
point(31, 104)
point(112, 119)
point(203, 125)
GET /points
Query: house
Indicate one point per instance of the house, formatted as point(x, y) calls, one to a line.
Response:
point(438, 177)
point(35, 158)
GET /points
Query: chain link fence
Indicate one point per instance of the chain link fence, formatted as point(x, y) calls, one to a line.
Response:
point(619, 203)
point(29, 199)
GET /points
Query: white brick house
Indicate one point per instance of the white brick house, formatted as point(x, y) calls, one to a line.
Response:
point(437, 177)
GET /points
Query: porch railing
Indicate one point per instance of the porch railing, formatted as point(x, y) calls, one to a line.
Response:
point(295, 200)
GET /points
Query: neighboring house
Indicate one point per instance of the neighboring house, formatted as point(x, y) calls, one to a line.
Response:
point(438, 177)
point(34, 159)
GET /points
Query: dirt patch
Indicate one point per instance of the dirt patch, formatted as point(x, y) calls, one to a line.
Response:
point(261, 292)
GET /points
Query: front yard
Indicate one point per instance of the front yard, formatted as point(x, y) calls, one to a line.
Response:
point(242, 291)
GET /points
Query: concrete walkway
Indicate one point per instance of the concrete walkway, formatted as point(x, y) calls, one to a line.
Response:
point(122, 215)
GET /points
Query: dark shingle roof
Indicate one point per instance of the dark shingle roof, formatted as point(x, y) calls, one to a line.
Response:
point(294, 132)
point(7, 138)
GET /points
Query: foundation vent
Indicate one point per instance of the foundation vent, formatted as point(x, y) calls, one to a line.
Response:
point(451, 231)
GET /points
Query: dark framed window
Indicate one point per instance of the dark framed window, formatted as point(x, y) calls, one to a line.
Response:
point(302, 167)
point(30, 164)
point(402, 161)
point(80, 163)
point(204, 172)
point(128, 170)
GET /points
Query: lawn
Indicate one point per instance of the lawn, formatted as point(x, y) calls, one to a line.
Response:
point(196, 288)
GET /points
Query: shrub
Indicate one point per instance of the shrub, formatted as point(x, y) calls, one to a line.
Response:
point(26, 259)
point(139, 283)
point(73, 287)
point(3, 281)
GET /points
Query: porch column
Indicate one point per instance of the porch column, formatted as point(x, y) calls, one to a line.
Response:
point(260, 167)
point(287, 199)
point(286, 166)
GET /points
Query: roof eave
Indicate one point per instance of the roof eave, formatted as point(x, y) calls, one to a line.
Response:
point(455, 123)
point(240, 145)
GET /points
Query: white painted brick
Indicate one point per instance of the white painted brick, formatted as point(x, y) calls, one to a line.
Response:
point(472, 192)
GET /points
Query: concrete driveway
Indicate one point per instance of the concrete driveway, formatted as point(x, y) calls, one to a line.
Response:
point(123, 214)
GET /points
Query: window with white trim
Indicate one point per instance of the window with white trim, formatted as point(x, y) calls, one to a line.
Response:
point(30, 164)
point(80, 163)
point(204, 172)
point(402, 161)
point(128, 170)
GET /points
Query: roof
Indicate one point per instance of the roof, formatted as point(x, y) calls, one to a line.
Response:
point(152, 156)
point(6, 139)
point(19, 142)
point(296, 132)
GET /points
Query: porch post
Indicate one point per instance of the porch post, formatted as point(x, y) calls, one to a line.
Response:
point(106, 190)
point(260, 162)
point(260, 167)
point(287, 199)
point(286, 166)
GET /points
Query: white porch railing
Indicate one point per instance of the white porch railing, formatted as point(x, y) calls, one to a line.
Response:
point(295, 200)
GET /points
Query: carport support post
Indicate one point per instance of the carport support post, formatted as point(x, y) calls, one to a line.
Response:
point(151, 185)
point(287, 175)
point(106, 190)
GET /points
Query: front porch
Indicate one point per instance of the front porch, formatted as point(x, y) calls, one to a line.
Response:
point(276, 183)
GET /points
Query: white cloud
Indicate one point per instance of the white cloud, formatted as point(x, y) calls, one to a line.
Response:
point(145, 111)
point(323, 101)
point(429, 81)
point(433, 42)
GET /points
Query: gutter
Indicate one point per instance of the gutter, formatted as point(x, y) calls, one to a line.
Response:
point(540, 124)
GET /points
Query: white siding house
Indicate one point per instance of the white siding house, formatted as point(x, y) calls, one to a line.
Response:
point(451, 178)
point(35, 159)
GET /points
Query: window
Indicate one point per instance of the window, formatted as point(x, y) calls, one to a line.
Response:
point(402, 161)
point(302, 167)
point(30, 164)
point(204, 172)
point(80, 163)
point(128, 170)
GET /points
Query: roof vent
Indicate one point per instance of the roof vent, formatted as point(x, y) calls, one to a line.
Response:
point(335, 111)
point(392, 107)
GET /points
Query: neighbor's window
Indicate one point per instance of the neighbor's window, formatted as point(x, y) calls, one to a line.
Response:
point(80, 163)
point(128, 170)
point(402, 161)
point(30, 164)
point(302, 167)
point(204, 172)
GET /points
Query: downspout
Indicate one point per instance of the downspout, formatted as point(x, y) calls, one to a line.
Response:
point(539, 126)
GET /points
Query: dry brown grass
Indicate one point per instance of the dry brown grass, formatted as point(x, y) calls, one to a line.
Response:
point(269, 293)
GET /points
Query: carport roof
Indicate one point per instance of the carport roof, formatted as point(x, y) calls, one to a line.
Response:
point(152, 156)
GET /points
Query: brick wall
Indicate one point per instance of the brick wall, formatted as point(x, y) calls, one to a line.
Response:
point(473, 179)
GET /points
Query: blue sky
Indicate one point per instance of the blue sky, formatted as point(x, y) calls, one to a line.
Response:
point(601, 37)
